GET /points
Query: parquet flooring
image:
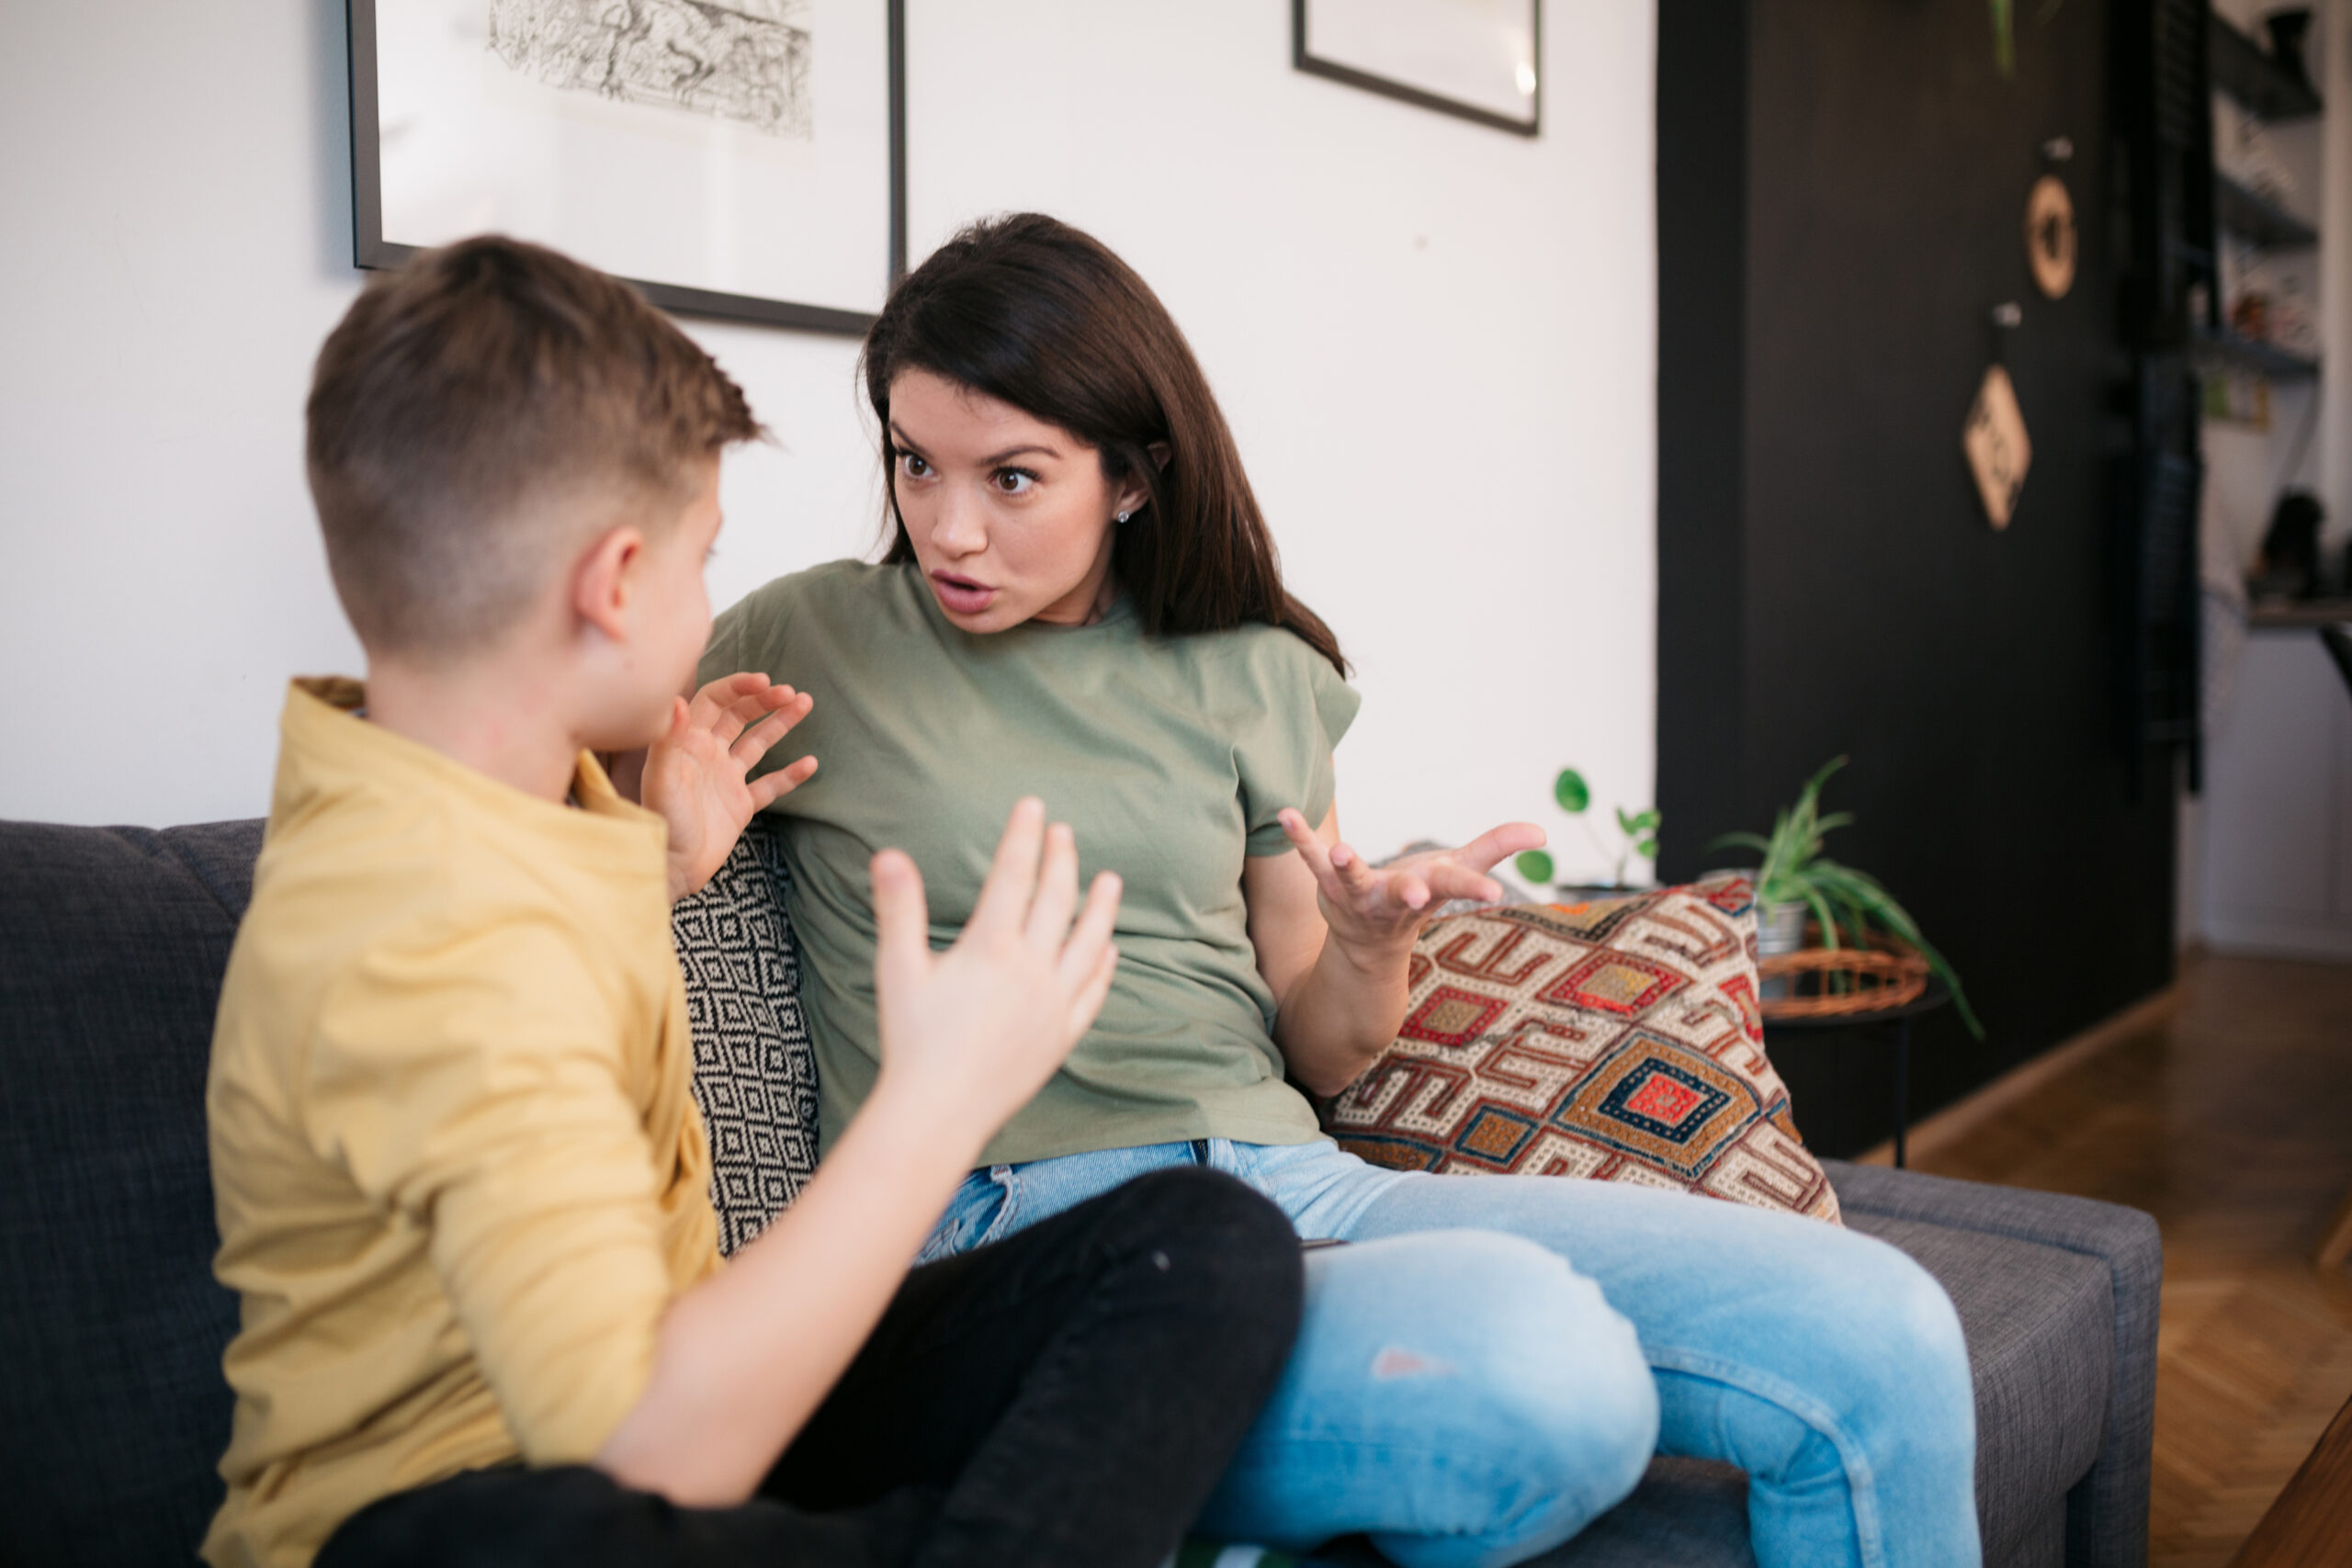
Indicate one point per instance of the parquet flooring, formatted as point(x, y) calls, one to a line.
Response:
point(2230, 1120)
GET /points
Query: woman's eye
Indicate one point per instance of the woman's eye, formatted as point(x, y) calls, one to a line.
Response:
point(915, 467)
point(1015, 481)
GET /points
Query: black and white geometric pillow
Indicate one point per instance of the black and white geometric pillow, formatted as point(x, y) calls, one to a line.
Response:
point(755, 1073)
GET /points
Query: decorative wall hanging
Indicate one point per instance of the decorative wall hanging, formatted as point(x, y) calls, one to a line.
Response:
point(1476, 59)
point(743, 160)
point(2050, 239)
point(1998, 450)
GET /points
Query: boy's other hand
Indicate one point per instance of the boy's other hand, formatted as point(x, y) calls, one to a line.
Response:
point(974, 1032)
point(693, 776)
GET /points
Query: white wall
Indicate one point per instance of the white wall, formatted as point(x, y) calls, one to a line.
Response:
point(1436, 342)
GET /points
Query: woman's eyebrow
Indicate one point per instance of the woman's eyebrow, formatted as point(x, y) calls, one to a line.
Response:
point(906, 443)
point(994, 459)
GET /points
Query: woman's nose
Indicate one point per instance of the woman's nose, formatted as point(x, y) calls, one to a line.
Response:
point(959, 530)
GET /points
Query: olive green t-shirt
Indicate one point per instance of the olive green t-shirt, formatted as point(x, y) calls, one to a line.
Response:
point(1170, 757)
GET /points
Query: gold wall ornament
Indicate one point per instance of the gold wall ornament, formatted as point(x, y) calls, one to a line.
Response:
point(2049, 236)
point(1998, 450)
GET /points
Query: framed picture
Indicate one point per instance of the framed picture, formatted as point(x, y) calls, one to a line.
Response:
point(1476, 59)
point(744, 159)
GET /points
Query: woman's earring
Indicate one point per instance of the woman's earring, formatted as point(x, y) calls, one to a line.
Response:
point(1125, 516)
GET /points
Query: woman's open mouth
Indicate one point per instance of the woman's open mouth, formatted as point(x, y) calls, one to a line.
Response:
point(961, 595)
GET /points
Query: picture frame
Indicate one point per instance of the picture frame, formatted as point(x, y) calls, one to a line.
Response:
point(762, 180)
point(1477, 60)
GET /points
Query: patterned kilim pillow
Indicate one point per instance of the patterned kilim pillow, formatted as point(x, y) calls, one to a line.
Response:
point(755, 1074)
point(1617, 1040)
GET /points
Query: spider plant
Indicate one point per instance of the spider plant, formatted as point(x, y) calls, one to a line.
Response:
point(1845, 901)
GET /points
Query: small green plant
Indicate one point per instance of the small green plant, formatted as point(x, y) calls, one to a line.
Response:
point(1639, 829)
point(1842, 900)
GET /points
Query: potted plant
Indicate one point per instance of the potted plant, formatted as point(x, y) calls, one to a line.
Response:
point(1637, 831)
point(1797, 883)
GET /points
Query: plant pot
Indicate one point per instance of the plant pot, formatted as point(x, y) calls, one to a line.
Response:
point(1780, 928)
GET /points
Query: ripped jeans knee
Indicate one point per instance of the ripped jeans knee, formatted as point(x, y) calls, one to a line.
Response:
point(1463, 1396)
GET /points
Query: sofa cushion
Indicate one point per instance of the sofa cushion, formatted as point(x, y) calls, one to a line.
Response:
point(2039, 1322)
point(755, 1072)
point(1617, 1040)
point(2107, 1512)
point(113, 1412)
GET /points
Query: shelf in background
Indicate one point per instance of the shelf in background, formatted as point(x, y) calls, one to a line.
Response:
point(2248, 354)
point(2258, 218)
point(2245, 70)
point(2299, 615)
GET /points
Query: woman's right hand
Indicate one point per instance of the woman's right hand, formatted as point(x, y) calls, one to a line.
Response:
point(974, 1032)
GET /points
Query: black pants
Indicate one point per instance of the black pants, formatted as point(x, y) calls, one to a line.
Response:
point(1068, 1396)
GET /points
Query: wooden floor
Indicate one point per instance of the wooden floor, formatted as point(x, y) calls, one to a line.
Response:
point(2230, 1120)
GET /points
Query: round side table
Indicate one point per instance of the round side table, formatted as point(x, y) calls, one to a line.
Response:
point(1884, 1022)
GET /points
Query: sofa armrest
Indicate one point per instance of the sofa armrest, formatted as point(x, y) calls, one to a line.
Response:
point(2107, 1513)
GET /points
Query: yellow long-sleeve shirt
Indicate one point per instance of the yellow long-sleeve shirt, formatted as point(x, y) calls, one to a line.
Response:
point(456, 1160)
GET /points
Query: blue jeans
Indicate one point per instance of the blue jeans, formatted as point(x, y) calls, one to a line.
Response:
point(1467, 1398)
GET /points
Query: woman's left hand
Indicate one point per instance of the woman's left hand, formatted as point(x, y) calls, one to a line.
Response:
point(1374, 913)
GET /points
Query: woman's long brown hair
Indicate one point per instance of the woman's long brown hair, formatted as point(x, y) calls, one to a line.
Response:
point(1035, 314)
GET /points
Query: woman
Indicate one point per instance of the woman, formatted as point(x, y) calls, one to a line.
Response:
point(1082, 600)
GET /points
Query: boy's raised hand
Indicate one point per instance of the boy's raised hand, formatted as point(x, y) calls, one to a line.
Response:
point(975, 1031)
point(695, 775)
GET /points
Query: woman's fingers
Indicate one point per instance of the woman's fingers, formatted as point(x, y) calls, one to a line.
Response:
point(1496, 845)
point(1357, 880)
point(1449, 880)
point(1313, 851)
point(1057, 898)
point(902, 924)
point(767, 789)
point(1003, 903)
point(1411, 890)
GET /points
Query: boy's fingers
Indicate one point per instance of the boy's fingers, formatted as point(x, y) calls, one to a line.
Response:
point(731, 720)
point(717, 696)
point(1013, 875)
point(902, 923)
point(1057, 898)
point(770, 787)
point(1091, 935)
point(754, 742)
point(1086, 1005)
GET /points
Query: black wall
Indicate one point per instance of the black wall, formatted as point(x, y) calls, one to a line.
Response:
point(1841, 194)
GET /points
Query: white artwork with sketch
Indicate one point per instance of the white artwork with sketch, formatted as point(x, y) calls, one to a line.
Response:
point(739, 147)
point(747, 62)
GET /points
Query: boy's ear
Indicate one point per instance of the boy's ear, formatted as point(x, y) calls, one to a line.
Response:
point(606, 579)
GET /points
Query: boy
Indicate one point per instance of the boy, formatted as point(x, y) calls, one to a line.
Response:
point(460, 1176)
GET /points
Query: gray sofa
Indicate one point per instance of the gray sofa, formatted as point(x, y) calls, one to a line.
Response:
point(113, 1412)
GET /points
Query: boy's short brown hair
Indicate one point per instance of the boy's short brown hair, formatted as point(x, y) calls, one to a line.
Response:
point(483, 411)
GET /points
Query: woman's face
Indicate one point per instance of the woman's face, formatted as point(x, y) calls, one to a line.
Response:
point(1011, 517)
